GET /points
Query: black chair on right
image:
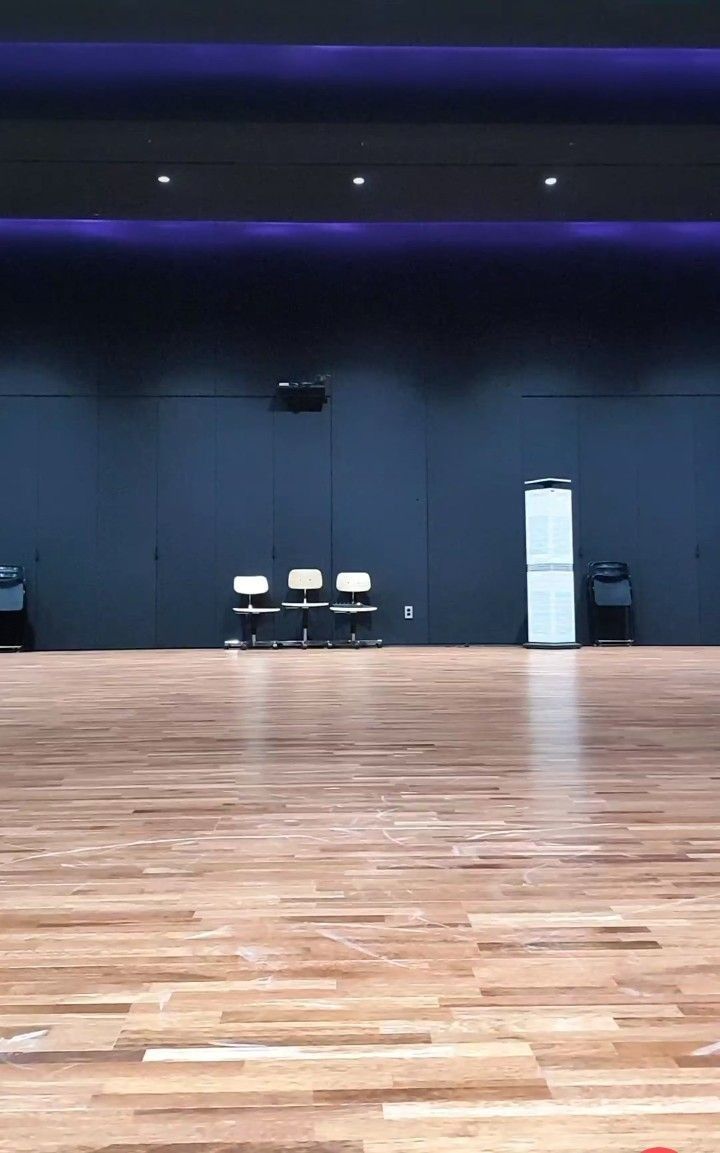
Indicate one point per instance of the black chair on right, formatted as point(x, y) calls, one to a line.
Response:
point(13, 608)
point(610, 603)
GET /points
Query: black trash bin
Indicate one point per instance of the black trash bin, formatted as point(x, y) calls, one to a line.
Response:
point(13, 608)
point(610, 603)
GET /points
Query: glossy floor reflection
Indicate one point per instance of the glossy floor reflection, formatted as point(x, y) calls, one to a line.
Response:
point(397, 901)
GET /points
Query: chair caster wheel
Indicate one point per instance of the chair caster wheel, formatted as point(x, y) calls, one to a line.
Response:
point(329, 644)
point(304, 644)
point(275, 645)
point(243, 645)
point(356, 644)
point(378, 644)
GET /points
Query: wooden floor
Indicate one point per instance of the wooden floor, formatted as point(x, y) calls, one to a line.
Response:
point(398, 901)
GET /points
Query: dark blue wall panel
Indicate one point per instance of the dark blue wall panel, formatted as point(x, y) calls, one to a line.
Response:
point(244, 508)
point(706, 415)
point(476, 517)
point(186, 609)
point(67, 609)
point(38, 362)
point(379, 494)
point(550, 438)
point(666, 567)
point(608, 496)
point(456, 375)
point(18, 470)
point(637, 504)
point(127, 521)
point(301, 510)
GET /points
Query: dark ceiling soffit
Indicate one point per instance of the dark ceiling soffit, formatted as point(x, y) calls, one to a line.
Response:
point(694, 23)
point(182, 142)
point(316, 192)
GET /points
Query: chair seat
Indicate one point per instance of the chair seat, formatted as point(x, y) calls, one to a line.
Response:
point(254, 611)
point(353, 608)
point(305, 604)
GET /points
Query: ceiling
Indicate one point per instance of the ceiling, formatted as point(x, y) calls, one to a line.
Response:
point(453, 111)
point(623, 23)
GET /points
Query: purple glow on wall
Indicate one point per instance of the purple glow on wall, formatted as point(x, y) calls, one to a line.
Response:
point(474, 70)
point(179, 236)
point(348, 64)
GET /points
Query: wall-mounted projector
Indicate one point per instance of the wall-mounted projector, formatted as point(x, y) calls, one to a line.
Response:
point(303, 395)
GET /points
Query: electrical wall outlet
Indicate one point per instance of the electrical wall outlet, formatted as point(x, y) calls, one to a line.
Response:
point(409, 612)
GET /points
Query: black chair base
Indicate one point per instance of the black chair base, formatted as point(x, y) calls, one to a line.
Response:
point(550, 645)
point(353, 641)
point(355, 644)
point(234, 643)
point(305, 644)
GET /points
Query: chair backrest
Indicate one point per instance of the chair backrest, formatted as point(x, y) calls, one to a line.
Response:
point(353, 582)
point(250, 586)
point(613, 570)
point(305, 578)
point(12, 588)
point(11, 574)
point(612, 594)
point(609, 583)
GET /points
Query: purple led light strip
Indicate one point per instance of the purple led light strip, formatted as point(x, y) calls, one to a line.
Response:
point(199, 235)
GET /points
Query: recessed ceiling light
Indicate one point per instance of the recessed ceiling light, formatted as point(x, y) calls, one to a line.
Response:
point(551, 181)
point(163, 179)
point(358, 179)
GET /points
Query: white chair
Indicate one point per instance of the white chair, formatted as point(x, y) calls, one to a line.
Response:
point(304, 580)
point(353, 584)
point(251, 586)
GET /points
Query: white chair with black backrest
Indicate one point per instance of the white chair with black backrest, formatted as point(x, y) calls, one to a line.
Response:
point(354, 585)
point(304, 580)
point(253, 586)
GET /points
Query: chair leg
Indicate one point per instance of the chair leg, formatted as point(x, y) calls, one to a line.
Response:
point(255, 643)
point(353, 642)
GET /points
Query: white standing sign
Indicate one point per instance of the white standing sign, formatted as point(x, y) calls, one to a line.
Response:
point(549, 553)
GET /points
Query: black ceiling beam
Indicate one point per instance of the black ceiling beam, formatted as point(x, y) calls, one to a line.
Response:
point(313, 192)
point(168, 143)
point(691, 23)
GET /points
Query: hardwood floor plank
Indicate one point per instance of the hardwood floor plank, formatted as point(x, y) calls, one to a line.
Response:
point(406, 901)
